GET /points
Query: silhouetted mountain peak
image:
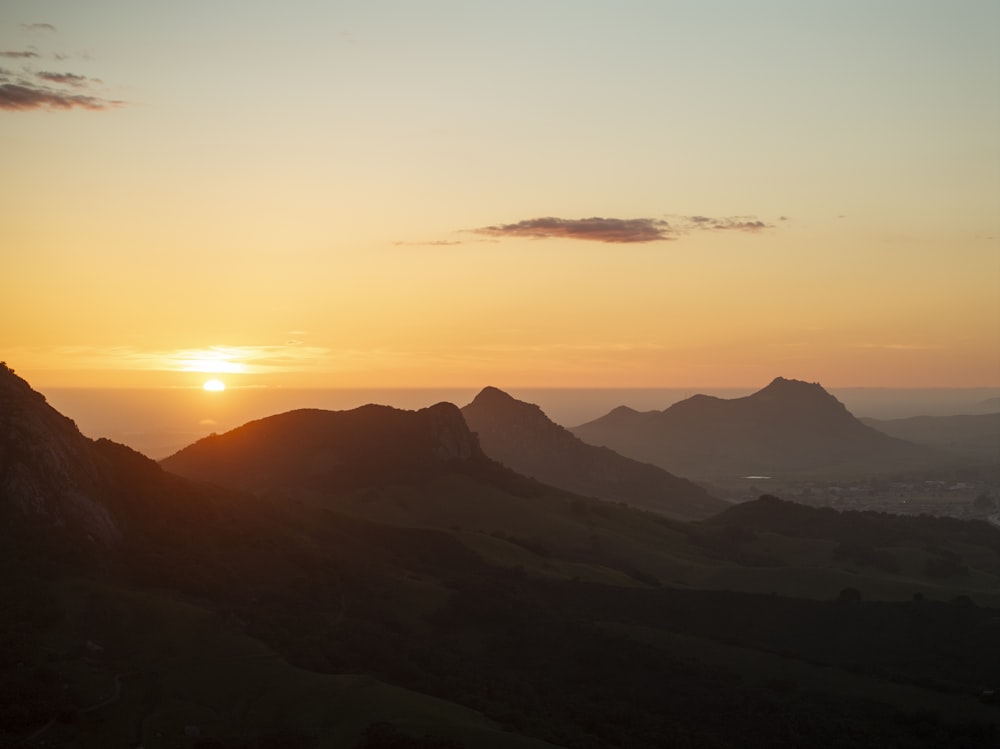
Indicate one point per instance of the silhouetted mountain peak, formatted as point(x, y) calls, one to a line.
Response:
point(782, 399)
point(47, 467)
point(803, 397)
point(496, 401)
point(522, 437)
point(370, 443)
point(784, 382)
point(490, 394)
point(781, 387)
point(788, 426)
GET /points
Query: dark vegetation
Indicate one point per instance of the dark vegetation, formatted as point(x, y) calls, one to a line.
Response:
point(330, 607)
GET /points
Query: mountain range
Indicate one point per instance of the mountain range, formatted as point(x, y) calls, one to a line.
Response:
point(371, 579)
point(522, 437)
point(789, 428)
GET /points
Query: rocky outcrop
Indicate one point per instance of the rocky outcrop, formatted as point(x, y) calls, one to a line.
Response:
point(451, 433)
point(47, 468)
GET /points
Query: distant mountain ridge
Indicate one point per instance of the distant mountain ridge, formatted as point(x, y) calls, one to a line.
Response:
point(522, 437)
point(307, 445)
point(976, 435)
point(789, 427)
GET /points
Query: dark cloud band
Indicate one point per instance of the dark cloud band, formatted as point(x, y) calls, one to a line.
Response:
point(596, 229)
point(16, 97)
point(619, 230)
point(69, 78)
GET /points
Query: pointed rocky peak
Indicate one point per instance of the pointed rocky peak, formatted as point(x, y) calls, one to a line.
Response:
point(47, 467)
point(798, 394)
point(523, 438)
point(505, 425)
point(781, 385)
point(493, 395)
point(493, 403)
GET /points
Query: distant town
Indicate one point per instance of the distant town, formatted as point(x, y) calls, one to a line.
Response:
point(967, 497)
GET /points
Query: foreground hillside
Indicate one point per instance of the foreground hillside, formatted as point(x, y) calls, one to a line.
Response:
point(414, 597)
point(789, 428)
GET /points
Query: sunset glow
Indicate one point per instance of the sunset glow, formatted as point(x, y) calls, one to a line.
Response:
point(212, 366)
point(389, 197)
point(214, 386)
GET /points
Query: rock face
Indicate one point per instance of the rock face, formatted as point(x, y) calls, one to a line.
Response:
point(99, 494)
point(522, 437)
point(316, 446)
point(49, 469)
point(789, 427)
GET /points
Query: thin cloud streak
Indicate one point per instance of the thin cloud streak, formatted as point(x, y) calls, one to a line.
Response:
point(70, 79)
point(902, 346)
point(17, 54)
point(599, 346)
point(242, 359)
point(734, 224)
point(38, 27)
point(618, 230)
point(258, 359)
point(595, 229)
point(433, 243)
point(16, 97)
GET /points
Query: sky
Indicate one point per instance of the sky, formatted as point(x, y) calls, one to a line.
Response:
point(589, 194)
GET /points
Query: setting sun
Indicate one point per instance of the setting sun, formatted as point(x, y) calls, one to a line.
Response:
point(214, 386)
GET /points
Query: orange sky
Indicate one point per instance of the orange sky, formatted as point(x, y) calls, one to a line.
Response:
point(641, 194)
